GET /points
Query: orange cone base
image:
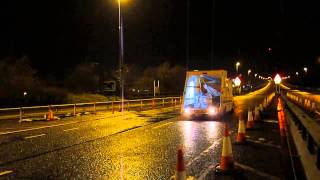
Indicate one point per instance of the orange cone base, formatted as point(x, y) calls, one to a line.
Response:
point(231, 172)
point(241, 138)
point(226, 163)
point(250, 125)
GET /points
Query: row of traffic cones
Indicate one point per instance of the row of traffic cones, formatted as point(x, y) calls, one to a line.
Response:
point(226, 165)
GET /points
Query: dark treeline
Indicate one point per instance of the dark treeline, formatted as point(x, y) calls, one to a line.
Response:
point(22, 85)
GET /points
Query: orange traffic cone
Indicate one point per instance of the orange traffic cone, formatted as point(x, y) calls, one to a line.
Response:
point(250, 120)
point(241, 136)
point(180, 171)
point(49, 116)
point(227, 163)
point(256, 114)
point(261, 108)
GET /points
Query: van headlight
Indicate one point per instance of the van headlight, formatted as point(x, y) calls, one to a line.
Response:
point(187, 111)
point(212, 111)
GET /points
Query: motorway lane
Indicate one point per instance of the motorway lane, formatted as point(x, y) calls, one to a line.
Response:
point(51, 138)
point(146, 152)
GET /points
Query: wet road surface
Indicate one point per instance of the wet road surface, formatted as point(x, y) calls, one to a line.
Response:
point(138, 148)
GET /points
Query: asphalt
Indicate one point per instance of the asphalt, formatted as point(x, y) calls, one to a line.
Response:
point(141, 146)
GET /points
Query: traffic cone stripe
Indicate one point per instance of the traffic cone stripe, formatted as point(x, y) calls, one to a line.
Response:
point(226, 162)
point(250, 119)
point(241, 136)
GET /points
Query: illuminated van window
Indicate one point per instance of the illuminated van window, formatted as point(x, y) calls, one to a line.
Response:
point(202, 91)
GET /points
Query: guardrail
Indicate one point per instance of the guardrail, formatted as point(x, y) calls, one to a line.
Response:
point(81, 108)
point(309, 130)
point(308, 104)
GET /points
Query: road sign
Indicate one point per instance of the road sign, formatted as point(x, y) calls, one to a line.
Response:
point(109, 86)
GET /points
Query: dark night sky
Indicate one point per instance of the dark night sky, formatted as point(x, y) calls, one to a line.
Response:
point(56, 35)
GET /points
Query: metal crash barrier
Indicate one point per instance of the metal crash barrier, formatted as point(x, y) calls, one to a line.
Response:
point(305, 130)
point(88, 108)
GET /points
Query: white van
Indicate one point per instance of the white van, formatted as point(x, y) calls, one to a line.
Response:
point(207, 93)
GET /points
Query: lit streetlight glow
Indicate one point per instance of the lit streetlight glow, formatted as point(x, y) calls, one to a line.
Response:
point(277, 79)
point(249, 71)
point(305, 69)
point(237, 66)
point(237, 81)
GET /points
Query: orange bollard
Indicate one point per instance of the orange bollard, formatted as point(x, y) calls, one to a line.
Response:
point(180, 169)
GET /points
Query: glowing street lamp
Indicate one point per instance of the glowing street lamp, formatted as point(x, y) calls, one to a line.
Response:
point(237, 83)
point(277, 81)
point(237, 66)
point(305, 69)
point(297, 73)
point(249, 71)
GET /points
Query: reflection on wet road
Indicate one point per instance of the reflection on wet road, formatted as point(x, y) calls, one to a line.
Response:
point(147, 151)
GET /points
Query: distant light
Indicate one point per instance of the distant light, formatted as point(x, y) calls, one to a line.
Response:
point(255, 75)
point(277, 79)
point(25, 93)
point(297, 73)
point(249, 71)
point(237, 81)
point(269, 49)
point(195, 70)
point(238, 63)
point(305, 69)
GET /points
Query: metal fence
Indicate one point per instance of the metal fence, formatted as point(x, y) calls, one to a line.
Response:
point(62, 110)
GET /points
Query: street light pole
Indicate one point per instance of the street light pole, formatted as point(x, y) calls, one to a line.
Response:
point(121, 81)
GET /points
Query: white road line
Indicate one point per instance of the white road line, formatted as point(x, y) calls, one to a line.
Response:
point(37, 128)
point(203, 153)
point(264, 144)
point(270, 121)
point(30, 137)
point(71, 129)
point(5, 173)
point(156, 127)
point(260, 173)
point(51, 126)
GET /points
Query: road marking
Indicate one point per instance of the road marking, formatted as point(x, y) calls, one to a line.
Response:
point(156, 127)
point(270, 121)
point(204, 153)
point(5, 173)
point(71, 129)
point(264, 144)
point(30, 137)
point(260, 173)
